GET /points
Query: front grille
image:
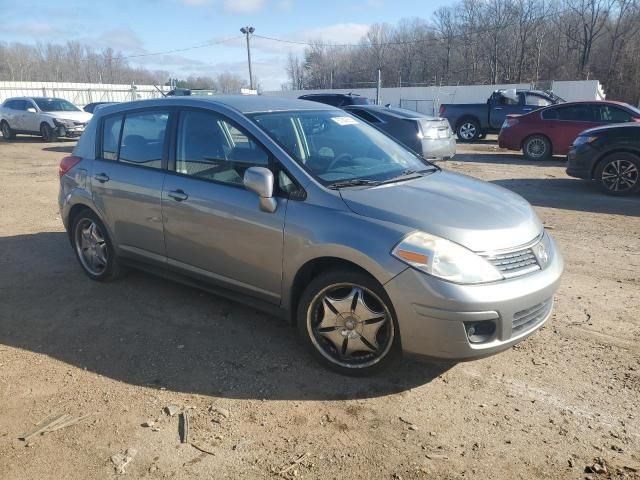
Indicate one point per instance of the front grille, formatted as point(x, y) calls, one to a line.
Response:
point(530, 317)
point(516, 263)
point(79, 124)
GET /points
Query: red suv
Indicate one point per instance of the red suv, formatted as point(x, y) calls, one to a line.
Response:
point(551, 130)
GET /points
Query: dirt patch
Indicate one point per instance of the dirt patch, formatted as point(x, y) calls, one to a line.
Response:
point(566, 399)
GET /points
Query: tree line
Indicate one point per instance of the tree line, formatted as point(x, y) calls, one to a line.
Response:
point(488, 42)
point(76, 62)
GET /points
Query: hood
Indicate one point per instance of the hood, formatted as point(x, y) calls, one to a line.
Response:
point(83, 117)
point(476, 214)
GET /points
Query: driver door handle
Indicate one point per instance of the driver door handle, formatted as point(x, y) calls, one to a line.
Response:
point(498, 108)
point(101, 177)
point(178, 195)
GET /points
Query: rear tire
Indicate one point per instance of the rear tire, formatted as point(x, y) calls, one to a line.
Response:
point(536, 148)
point(468, 131)
point(93, 247)
point(7, 132)
point(347, 321)
point(47, 133)
point(618, 174)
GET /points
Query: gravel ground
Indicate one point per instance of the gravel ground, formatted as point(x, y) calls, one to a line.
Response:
point(259, 407)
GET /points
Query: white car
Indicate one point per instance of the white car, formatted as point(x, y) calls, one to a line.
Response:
point(48, 117)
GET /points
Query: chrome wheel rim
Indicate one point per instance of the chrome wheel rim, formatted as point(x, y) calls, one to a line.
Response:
point(620, 175)
point(467, 131)
point(91, 246)
point(536, 148)
point(350, 325)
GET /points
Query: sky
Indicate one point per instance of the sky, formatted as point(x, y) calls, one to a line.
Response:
point(140, 27)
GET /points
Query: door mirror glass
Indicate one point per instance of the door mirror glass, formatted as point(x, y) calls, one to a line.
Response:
point(259, 180)
point(31, 110)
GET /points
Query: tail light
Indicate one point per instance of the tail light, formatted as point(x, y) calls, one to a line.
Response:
point(511, 121)
point(441, 110)
point(67, 163)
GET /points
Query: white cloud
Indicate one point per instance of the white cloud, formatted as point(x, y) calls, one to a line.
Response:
point(340, 33)
point(284, 5)
point(122, 39)
point(242, 6)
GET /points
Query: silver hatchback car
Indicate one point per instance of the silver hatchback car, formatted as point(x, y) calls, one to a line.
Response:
point(305, 210)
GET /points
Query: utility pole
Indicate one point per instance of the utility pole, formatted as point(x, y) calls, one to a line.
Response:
point(379, 87)
point(248, 31)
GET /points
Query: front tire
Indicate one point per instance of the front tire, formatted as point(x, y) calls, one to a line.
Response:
point(47, 133)
point(618, 174)
point(468, 131)
point(7, 132)
point(347, 321)
point(93, 247)
point(536, 148)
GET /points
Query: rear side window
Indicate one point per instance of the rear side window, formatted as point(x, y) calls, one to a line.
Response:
point(366, 116)
point(142, 139)
point(535, 100)
point(573, 113)
point(211, 148)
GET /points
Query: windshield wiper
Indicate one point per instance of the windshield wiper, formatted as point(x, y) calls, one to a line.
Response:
point(354, 182)
point(409, 174)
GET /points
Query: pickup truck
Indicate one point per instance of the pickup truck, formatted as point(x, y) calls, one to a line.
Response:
point(471, 121)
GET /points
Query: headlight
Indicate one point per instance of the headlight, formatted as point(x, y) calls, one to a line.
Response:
point(444, 259)
point(584, 139)
point(62, 123)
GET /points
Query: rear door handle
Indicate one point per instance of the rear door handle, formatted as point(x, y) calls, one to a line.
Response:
point(178, 195)
point(101, 177)
point(527, 109)
point(498, 108)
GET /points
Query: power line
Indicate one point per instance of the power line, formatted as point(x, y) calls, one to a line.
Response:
point(176, 50)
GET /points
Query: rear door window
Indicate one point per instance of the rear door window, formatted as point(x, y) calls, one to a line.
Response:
point(571, 113)
point(366, 116)
point(142, 138)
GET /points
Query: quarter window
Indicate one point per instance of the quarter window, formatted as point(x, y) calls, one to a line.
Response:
point(211, 148)
point(111, 137)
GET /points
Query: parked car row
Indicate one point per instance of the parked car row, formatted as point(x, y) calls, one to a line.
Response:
point(472, 121)
point(609, 155)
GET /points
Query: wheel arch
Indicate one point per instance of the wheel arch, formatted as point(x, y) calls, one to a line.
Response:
point(611, 152)
point(311, 269)
point(82, 203)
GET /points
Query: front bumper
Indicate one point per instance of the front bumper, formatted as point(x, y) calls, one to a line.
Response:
point(431, 312)
point(580, 161)
point(439, 149)
point(69, 131)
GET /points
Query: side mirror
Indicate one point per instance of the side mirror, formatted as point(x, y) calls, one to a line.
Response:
point(31, 110)
point(259, 180)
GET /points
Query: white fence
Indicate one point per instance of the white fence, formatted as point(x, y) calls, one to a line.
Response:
point(428, 99)
point(80, 93)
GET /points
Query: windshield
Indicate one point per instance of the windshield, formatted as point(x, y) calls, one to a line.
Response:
point(55, 105)
point(336, 147)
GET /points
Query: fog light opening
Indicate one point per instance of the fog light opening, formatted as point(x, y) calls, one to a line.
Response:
point(480, 332)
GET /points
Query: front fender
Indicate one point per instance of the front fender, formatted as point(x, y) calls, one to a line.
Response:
point(314, 231)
